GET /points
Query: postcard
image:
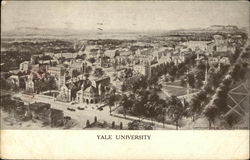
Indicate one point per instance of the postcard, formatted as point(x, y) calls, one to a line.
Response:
point(125, 80)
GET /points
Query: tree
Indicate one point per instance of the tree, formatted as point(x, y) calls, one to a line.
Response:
point(176, 110)
point(138, 109)
point(150, 108)
point(88, 69)
point(153, 80)
point(61, 59)
point(92, 60)
point(210, 112)
point(237, 72)
point(110, 99)
point(75, 73)
point(172, 69)
point(161, 116)
point(199, 75)
point(99, 72)
point(138, 125)
point(214, 77)
point(194, 107)
point(172, 78)
point(183, 82)
point(83, 56)
point(128, 72)
point(191, 80)
point(198, 84)
point(51, 83)
point(126, 103)
point(117, 53)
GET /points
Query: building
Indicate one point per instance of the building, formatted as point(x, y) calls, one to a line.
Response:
point(58, 72)
point(64, 94)
point(197, 44)
point(40, 111)
point(78, 65)
point(52, 62)
point(94, 92)
point(105, 62)
point(13, 81)
point(144, 69)
point(110, 53)
point(4, 97)
point(29, 84)
point(24, 66)
point(46, 114)
point(88, 95)
point(219, 40)
point(65, 55)
point(56, 117)
point(34, 59)
point(221, 48)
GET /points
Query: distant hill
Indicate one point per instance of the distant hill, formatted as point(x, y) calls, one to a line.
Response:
point(221, 27)
point(214, 29)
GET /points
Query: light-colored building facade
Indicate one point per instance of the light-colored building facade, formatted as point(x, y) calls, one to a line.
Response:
point(203, 45)
point(64, 94)
point(29, 84)
point(58, 72)
point(13, 82)
point(88, 95)
point(24, 66)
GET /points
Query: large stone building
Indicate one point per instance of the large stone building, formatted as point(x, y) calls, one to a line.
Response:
point(203, 45)
point(151, 65)
point(144, 69)
point(94, 92)
point(58, 72)
point(88, 95)
point(78, 65)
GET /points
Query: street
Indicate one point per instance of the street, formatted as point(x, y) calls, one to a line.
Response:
point(80, 115)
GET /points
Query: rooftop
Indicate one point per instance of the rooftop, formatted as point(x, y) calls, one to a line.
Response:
point(4, 93)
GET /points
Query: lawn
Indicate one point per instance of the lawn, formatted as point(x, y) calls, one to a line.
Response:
point(175, 83)
point(175, 90)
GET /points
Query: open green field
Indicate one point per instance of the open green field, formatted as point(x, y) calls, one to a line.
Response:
point(175, 91)
point(175, 83)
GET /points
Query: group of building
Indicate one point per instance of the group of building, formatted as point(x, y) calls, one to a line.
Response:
point(144, 60)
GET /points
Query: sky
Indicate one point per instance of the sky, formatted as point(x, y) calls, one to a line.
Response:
point(126, 15)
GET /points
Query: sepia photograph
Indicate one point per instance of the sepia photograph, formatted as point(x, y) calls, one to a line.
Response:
point(124, 65)
point(124, 80)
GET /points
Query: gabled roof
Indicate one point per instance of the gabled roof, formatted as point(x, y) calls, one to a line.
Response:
point(90, 89)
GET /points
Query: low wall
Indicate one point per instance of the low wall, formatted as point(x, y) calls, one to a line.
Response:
point(158, 124)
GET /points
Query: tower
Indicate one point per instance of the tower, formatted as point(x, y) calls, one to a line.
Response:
point(147, 67)
point(61, 80)
point(206, 75)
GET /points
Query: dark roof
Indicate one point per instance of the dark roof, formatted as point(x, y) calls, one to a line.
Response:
point(38, 106)
point(53, 110)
